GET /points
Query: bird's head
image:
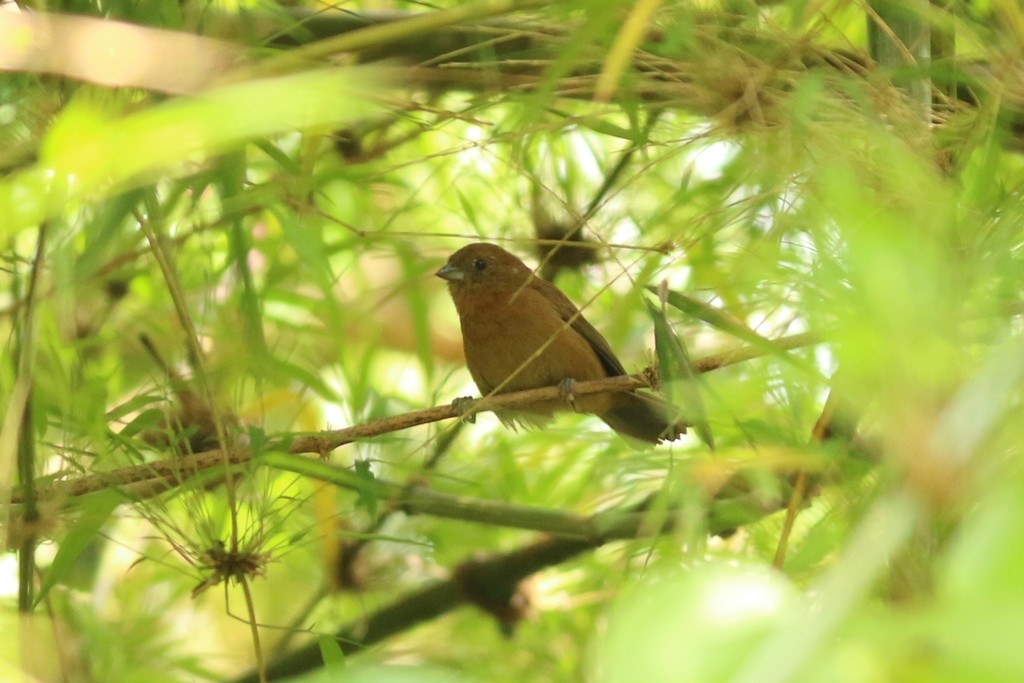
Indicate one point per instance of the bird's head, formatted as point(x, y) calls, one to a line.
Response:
point(483, 268)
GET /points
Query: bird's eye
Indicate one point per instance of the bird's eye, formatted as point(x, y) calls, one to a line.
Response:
point(479, 264)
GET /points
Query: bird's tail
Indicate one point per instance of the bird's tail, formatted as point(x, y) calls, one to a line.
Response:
point(642, 417)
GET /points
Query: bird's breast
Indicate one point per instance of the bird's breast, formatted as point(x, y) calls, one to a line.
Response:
point(520, 342)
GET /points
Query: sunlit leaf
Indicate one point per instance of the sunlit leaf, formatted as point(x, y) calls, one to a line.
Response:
point(681, 383)
point(94, 512)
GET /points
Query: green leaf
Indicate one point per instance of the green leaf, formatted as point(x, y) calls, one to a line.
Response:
point(134, 404)
point(95, 510)
point(715, 317)
point(333, 656)
point(729, 324)
point(367, 494)
point(681, 384)
point(91, 153)
point(297, 373)
point(307, 239)
point(147, 419)
point(286, 163)
point(601, 126)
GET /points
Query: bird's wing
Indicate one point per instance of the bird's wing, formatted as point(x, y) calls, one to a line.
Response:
point(566, 310)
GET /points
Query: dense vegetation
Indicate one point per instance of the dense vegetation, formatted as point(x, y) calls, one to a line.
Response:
point(228, 449)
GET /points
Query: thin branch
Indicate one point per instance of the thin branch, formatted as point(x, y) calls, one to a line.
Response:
point(254, 631)
point(836, 424)
point(175, 470)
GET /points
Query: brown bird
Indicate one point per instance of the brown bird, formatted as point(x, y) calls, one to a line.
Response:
point(521, 332)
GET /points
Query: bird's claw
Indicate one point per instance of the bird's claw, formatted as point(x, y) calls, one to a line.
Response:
point(567, 387)
point(463, 405)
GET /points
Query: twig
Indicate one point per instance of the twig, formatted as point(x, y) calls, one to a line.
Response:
point(174, 470)
point(834, 424)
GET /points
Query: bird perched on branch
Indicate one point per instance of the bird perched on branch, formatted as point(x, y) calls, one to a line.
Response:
point(521, 332)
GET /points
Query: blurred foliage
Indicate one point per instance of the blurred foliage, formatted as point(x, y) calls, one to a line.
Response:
point(759, 169)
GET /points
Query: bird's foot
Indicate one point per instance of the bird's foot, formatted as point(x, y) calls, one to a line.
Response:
point(463, 405)
point(567, 387)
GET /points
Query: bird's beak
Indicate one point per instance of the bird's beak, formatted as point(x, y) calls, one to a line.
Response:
point(451, 273)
